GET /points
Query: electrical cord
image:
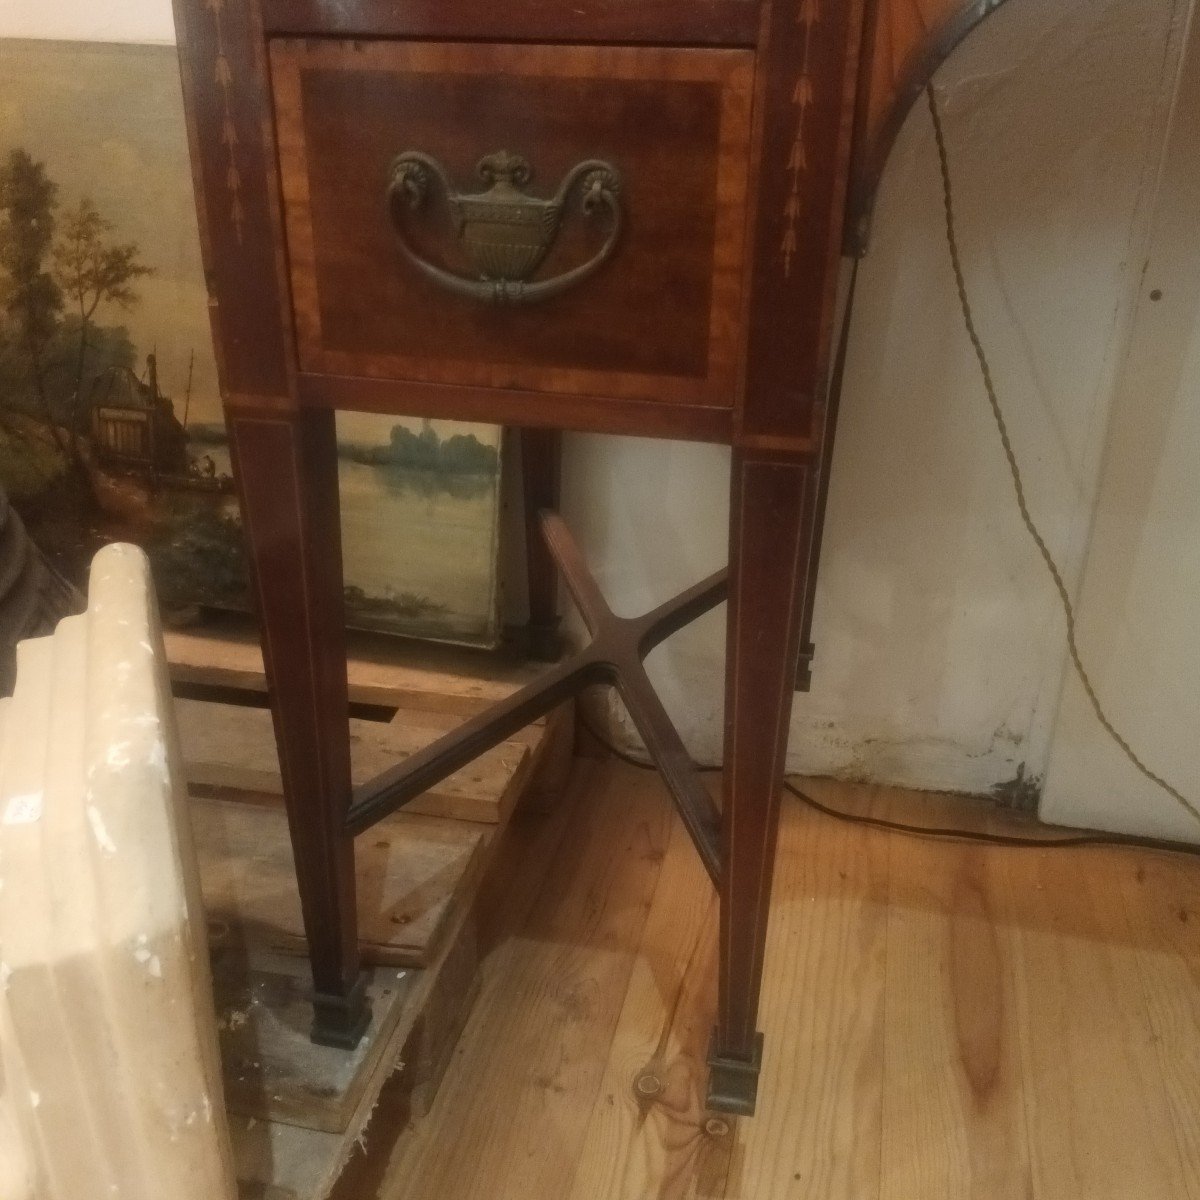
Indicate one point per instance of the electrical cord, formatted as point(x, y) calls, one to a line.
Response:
point(1065, 841)
point(934, 832)
point(1014, 471)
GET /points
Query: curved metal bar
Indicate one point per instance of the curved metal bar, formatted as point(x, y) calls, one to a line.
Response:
point(921, 60)
point(506, 231)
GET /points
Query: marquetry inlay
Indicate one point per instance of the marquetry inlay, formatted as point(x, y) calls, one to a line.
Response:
point(808, 14)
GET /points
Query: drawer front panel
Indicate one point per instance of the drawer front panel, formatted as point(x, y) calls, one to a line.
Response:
point(657, 319)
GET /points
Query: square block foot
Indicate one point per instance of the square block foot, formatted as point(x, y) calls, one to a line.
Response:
point(341, 1021)
point(733, 1082)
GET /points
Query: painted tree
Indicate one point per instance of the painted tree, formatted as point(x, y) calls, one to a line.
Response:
point(92, 270)
point(31, 297)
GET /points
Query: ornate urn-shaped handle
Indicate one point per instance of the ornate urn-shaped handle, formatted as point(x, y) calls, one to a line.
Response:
point(504, 232)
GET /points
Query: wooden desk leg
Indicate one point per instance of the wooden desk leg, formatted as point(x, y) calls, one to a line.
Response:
point(541, 459)
point(771, 529)
point(287, 471)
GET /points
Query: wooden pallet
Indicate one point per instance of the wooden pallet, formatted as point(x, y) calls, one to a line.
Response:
point(297, 1110)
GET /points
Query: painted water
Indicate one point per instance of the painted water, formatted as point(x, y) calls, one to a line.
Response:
point(419, 535)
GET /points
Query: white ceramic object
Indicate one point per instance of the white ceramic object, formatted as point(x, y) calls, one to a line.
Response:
point(110, 1082)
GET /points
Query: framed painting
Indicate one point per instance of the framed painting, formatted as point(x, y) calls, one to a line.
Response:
point(110, 416)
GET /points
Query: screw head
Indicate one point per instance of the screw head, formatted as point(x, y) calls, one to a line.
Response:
point(648, 1084)
point(716, 1127)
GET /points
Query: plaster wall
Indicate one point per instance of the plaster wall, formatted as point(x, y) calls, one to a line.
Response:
point(1142, 576)
point(89, 20)
point(940, 645)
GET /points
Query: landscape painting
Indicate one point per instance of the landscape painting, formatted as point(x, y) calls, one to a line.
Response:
point(110, 415)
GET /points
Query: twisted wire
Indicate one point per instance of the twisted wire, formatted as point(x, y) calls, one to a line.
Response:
point(1014, 471)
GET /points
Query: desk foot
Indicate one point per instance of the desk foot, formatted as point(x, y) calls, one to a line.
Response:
point(733, 1082)
point(341, 1021)
point(544, 642)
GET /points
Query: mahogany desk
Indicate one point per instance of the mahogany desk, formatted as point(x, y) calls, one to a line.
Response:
point(623, 216)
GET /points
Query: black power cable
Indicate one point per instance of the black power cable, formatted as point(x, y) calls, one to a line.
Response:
point(1066, 841)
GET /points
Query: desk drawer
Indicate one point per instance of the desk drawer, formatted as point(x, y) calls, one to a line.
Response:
point(421, 247)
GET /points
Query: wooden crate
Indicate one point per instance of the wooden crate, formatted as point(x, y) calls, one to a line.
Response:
point(296, 1110)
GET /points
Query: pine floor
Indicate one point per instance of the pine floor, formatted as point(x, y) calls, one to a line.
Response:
point(942, 1020)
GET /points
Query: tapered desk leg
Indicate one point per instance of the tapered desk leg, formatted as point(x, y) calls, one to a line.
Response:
point(287, 472)
point(541, 458)
point(769, 545)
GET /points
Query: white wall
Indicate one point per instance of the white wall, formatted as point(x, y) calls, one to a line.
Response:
point(940, 652)
point(1138, 600)
point(940, 646)
point(89, 20)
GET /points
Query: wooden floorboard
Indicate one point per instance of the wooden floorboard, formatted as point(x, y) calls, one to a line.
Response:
point(953, 1120)
point(1162, 900)
point(818, 1130)
point(942, 1019)
point(511, 1125)
point(648, 1132)
point(1097, 1113)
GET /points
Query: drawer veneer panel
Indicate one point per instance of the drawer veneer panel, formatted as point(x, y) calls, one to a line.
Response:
point(660, 319)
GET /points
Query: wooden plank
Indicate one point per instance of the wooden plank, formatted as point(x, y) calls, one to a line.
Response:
point(551, 760)
point(418, 876)
point(817, 1135)
point(511, 1127)
point(278, 1161)
point(1097, 1113)
point(421, 1062)
point(414, 875)
point(1162, 900)
point(518, 864)
point(232, 747)
point(272, 1069)
point(953, 1082)
point(381, 670)
point(648, 1125)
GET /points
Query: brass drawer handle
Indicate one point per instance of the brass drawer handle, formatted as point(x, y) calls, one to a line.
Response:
point(504, 232)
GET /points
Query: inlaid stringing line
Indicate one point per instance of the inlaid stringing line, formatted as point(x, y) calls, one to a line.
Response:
point(229, 135)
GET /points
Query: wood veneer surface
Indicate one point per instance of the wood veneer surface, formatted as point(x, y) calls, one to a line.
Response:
point(658, 322)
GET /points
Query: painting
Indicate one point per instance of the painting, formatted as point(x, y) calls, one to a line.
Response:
point(110, 415)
